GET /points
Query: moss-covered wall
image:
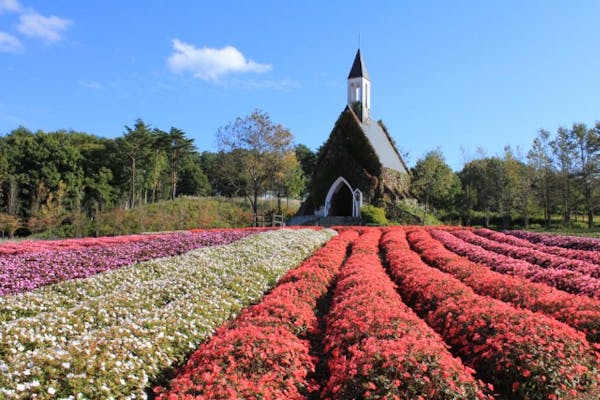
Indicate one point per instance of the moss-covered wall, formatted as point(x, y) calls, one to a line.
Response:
point(396, 183)
point(346, 153)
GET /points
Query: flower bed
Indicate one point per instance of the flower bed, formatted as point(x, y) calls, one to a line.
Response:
point(263, 353)
point(28, 270)
point(573, 254)
point(138, 320)
point(581, 313)
point(32, 246)
point(378, 347)
point(525, 355)
point(569, 281)
point(533, 256)
point(569, 242)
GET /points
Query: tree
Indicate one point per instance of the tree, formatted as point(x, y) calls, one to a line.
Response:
point(179, 148)
point(191, 179)
point(587, 163)
point(307, 159)
point(563, 148)
point(433, 181)
point(289, 180)
point(481, 178)
point(513, 187)
point(539, 158)
point(9, 224)
point(224, 173)
point(261, 146)
point(134, 145)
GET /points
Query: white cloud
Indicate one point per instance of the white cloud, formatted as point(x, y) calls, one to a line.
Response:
point(91, 85)
point(48, 29)
point(285, 85)
point(9, 5)
point(10, 44)
point(211, 64)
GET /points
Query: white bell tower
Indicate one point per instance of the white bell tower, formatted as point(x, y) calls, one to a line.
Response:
point(359, 88)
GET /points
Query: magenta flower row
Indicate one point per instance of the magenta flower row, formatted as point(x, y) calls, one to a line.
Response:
point(569, 242)
point(569, 281)
point(531, 255)
point(572, 254)
point(28, 270)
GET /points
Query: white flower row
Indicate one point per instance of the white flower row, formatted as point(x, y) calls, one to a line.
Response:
point(111, 335)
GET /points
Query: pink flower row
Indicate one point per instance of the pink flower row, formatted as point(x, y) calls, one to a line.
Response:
point(25, 271)
point(30, 246)
point(264, 352)
point(569, 281)
point(569, 242)
point(573, 254)
point(525, 355)
point(378, 347)
point(582, 313)
point(531, 255)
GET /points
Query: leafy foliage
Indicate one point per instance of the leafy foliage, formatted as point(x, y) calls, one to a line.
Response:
point(373, 215)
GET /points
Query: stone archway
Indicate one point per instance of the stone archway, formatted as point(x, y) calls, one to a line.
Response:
point(342, 200)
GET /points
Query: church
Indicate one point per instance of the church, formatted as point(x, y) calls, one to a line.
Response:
point(359, 163)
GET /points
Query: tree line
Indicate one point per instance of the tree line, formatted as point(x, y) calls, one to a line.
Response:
point(50, 180)
point(558, 175)
point(63, 180)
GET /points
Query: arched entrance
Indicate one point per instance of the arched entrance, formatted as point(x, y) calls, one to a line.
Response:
point(342, 200)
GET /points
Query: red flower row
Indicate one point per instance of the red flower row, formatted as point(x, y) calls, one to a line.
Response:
point(569, 281)
point(570, 242)
point(378, 347)
point(572, 254)
point(523, 354)
point(263, 353)
point(580, 312)
point(533, 256)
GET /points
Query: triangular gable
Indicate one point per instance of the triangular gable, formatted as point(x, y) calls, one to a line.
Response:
point(388, 155)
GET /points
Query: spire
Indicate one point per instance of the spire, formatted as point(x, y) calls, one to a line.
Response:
point(359, 70)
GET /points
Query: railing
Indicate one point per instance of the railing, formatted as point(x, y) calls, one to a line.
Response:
point(262, 220)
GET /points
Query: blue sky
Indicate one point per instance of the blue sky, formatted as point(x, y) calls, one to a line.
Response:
point(457, 75)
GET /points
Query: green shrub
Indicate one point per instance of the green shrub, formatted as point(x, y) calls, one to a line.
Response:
point(410, 212)
point(372, 215)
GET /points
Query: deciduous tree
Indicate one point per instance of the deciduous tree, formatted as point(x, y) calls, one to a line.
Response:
point(261, 147)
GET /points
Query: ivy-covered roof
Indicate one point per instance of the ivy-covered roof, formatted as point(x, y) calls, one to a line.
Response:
point(359, 70)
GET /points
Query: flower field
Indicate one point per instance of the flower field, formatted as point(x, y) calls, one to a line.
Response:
point(110, 335)
point(29, 265)
point(367, 313)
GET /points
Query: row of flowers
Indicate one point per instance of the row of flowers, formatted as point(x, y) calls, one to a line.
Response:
point(569, 242)
point(28, 270)
point(32, 246)
point(378, 347)
point(580, 312)
point(129, 325)
point(264, 352)
point(530, 255)
point(525, 355)
point(573, 254)
point(569, 281)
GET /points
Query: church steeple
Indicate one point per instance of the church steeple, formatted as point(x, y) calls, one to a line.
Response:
point(359, 87)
